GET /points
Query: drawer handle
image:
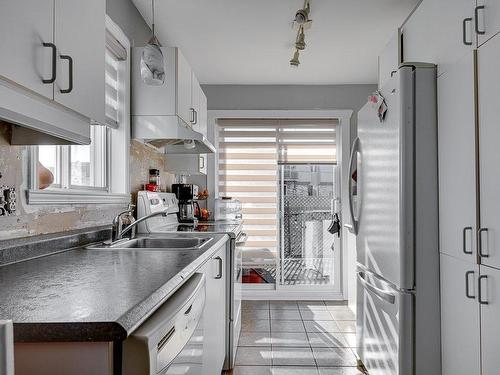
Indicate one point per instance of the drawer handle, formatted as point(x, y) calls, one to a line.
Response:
point(54, 57)
point(382, 294)
point(70, 74)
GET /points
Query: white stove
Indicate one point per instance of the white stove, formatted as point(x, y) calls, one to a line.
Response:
point(149, 202)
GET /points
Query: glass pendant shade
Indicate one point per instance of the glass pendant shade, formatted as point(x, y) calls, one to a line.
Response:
point(152, 61)
point(152, 64)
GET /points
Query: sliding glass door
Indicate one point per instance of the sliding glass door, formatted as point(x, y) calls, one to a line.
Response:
point(308, 250)
point(283, 172)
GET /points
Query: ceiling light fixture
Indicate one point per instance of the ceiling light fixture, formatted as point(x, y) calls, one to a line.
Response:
point(152, 61)
point(302, 15)
point(302, 22)
point(300, 42)
point(294, 62)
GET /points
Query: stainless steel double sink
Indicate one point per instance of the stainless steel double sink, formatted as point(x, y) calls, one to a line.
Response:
point(156, 243)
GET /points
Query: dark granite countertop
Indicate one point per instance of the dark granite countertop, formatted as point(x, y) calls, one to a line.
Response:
point(93, 295)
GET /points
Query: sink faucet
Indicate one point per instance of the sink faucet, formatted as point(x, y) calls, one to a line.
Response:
point(117, 226)
point(129, 227)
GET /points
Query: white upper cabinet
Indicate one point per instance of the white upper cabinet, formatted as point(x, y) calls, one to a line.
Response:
point(489, 154)
point(184, 87)
point(487, 14)
point(80, 40)
point(25, 25)
point(439, 32)
point(199, 105)
point(53, 48)
point(460, 334)
point(457, 184)
point(180, 95)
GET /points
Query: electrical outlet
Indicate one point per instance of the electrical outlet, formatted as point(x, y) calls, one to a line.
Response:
point(8, 200)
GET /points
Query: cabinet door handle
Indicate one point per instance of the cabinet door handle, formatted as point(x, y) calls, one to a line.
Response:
point(54, 57)
point(202, 162)
point(195, 117)
point(191, 120)
point(464, 31)
point(480, 290)
point(467, 289)
point(480, 242)
point(476, 20)
point(464, 240)
point(219, 272)
point(70, 74)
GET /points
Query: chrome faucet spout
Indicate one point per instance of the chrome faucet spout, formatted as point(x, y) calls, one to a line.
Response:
point(153, 214)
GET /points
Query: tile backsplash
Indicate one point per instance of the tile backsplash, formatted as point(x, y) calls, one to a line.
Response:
point(33, 220)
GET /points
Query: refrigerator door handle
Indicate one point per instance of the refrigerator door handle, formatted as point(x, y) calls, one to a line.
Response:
point(382, 294)
point(354, 222)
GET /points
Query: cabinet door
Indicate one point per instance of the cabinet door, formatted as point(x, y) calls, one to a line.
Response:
point(442, 22)
point(460, 338)
point(183, 88)
point(24, 26)
point(203, 113)
point(215, 313)
point(195, 102)
point(80, 35)
point(457, 184)
point(489, 155)
point(488, 19)
point(490, 313)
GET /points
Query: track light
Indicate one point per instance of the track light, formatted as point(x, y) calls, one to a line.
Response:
point(302, 15)
point(294, 62)
point(300, 43)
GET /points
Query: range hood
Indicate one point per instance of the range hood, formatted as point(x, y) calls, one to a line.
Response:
point(171, 133)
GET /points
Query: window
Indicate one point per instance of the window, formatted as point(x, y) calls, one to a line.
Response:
point(95, 173)
point(76, 167)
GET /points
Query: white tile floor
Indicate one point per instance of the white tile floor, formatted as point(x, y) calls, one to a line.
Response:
point(296, 338)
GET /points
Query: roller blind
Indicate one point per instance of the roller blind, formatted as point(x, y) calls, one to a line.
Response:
point(249, 154)
point(115, 54)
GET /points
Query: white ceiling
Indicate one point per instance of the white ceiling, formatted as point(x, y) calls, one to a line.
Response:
point(251, 41)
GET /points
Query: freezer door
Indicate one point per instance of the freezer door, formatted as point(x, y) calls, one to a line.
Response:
point(378, 187)
point(384, 326)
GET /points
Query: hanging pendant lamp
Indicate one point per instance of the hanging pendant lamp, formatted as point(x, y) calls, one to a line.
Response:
point(152, 61)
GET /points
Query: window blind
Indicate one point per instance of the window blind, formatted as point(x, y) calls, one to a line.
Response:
point(249, 154)
point(115, 54)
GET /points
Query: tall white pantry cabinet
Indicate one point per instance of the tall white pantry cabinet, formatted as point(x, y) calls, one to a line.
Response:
point(466, 47)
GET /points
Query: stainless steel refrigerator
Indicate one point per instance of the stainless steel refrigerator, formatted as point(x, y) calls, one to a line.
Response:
point(394, 214)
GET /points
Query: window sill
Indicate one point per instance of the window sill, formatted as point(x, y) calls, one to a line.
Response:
point(61, 196)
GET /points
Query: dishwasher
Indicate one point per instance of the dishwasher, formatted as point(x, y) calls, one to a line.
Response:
point(170, 342)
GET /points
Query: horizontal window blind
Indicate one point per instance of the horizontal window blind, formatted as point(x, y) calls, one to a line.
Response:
point(249, 151)
point(115, 55)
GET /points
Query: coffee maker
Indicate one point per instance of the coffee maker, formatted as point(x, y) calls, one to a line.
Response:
point(185, 194)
